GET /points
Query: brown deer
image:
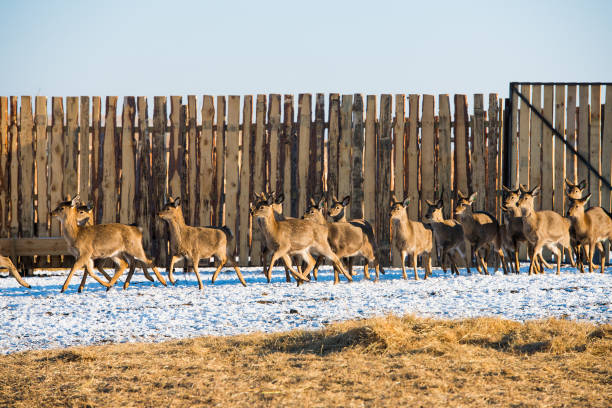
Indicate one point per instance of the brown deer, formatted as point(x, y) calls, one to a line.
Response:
point(410, 238)
point(543, 229)
point(295, 237)
point(101, 241)
point(6, 262)
point(346, 239)
point(448, 235)
point(591, 228)
point(480, 229)
point(195, 243)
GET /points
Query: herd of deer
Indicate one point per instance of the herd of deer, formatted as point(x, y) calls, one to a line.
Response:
point(307, 241)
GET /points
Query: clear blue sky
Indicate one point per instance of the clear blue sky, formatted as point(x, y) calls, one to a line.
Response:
point(110, 47)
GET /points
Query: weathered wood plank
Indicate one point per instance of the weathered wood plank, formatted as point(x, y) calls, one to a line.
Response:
point(42, 175)
point(192, 156)
point(246, 179)
point(232, 161)
point(127, 214)
point(319, 154)
point(559, 177)
point(26, 165)
point(206, 164)
point(159, 240)
point(570, 167)
point(383, 191)
point(33, 246)
point(71, 145)
point(514, 141)
point(333, 140)
point(357, 178)
point(427, 150)
point(304, 160)
point(493, 136)
point(461, 154)
point(176, 149)
point(535, 172)
point(445, 152)
point(84, 141)
point(344, 146)
point(220, 160)
point(144, 216)
point(56, 159)
point(4, 174)
point(547, 150)
point(412, 160)
point(606, 149)
point(286, 159)
point(595, 144)
point(369, 164)
point(583, 131)
point(108, 157)
point(259, 173)
point(274, 120)
point(96, 150)
point(478, 158)
point(399, 142)
point(14, 168)
point(523, 138)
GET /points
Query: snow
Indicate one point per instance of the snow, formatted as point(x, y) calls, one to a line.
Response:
point(42, 317)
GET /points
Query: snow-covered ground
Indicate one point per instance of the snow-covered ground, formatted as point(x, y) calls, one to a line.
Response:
point(42, 317)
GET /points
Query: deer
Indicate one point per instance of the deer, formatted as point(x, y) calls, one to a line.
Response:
point(295, 237)
point(5, 262)
point(480, 229)
point(591, 228)
point(346, 239)
point(448, 234)
point(87, 243)
point(543, 229)
point(85, 216)
point(195, 243)
point(410, 237)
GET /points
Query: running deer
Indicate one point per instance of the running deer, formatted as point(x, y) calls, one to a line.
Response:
point(85, 216)
point(481, 230)
point(543, 229)
point(6, 262)
point(295, 237)
point(101, 241)
point(591, 228)
point(448, 235)
point(346, 239)
point(195, 243)
point(410, 238)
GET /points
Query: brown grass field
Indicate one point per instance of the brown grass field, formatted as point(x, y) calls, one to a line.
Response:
point(387, 361)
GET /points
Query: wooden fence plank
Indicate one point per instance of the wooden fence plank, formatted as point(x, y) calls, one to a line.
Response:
point(42, 151)
point(595, 144)
point(570, 167)
point(192, 156)
point(535, 172)
point(547, 150)
point(583, 131)
point(445, 153)
point(369, 164)
point(4, 174)
point(56, 159)
point(259, 173)
point(357, 200)
point(84, 141)
point(286, 162)
point(427, 150)
point(274, 120)
point(127, 213)
point(159, 240)
point(559, 176)
point(108, 157)
point(333, 140)
point(143, 188)
point(523, 137)
point(514, 141)
point(479, 144)
point(14, 168)
point(96, 149)
point(412, 160)
point(206, 162)
point(176, 149)
point(606, 149)
point(220, 160)
point(246, 179)
point(461, 154)
point(399, 143)
point(493, 136)
point(383, 193)
point(26, 165)
point(319, 136)
point(304, 160)
point(232, 161)
point(71, 146)
point(344, 147)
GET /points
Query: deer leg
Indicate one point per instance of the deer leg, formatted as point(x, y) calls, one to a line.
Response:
point(536, 251)
point(238, 273)
point(8, 264)
point(603, 257)
point(310, 263)
point(414, 265)
point(315, 270)
point(591, 253)
point(145, 272)
point(77, 265)
point(126, 284)
point(122, 265)
point(195, 262)
point(222, 262)
point(428, 269)
point(171, 268)
point(558, 254)
point(297, 275)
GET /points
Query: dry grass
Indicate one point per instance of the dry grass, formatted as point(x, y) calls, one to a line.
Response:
point(378, 362)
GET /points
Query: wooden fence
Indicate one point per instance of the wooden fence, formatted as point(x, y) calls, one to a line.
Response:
point(216, 152)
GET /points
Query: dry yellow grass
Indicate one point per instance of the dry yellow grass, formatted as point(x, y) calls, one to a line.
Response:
point(378, 362)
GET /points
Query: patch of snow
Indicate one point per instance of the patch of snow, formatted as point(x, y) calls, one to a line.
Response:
point(42, 317)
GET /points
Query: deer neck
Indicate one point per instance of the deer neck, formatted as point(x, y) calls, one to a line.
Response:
point(340, 217)
point(580, 224)
point(269, 226)
point(70, 229)
point(177, 227)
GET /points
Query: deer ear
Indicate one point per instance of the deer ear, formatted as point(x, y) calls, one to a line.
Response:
point(312, 202)
point(569, 183)
point(393, 199)
point(440, 203)
point(431, 204)
point(523, 189)
point(89, 206)
point(406, 202)
point(280, 198)
point(177, 201)
point(506, 189)
point(75, 200)
point(346, 200)
point(585, 199)
point(321, 203)
point(535, 191)
point(473, 197)
point(582, 185)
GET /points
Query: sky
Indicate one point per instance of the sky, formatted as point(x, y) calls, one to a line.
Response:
point(71, 48)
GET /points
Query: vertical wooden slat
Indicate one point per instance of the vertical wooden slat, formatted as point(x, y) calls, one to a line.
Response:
point(369, 165)
point(413, 158)
point(259, 170)
point(286, 163)
point(144, 216)
point(513, 142)
point(427, 150)
point(96, 146)
point(461, 179)
point(42, 151)
point(108, 157)
point(127, 212)
point(14, 168)
point(606, 149)
point(206, 163)
point(4, 175)
point(595, 144)
point(445, 159)
point(583, 131)
point(535, 172)
point(220, 160)
point(26, 165)
point(71, 145)
point(333, 141)
point(176, 149)
point(192, 168)
point(56, 159)
point(231, 173)
point(492, 141)
point(357, 162)
point(383, 192)
point(399, 140)
point(84, 141)
point(274, 118)
point(523, 138)
point(570, 167)
point(559, 193)
point(304, 160)
point(344, 146)
point(319, 145)
point(478, 159)
point(246, 173)
point(159, 242)
point(547, 150)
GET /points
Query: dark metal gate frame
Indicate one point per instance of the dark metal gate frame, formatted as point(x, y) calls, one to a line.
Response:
point(509, 126)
